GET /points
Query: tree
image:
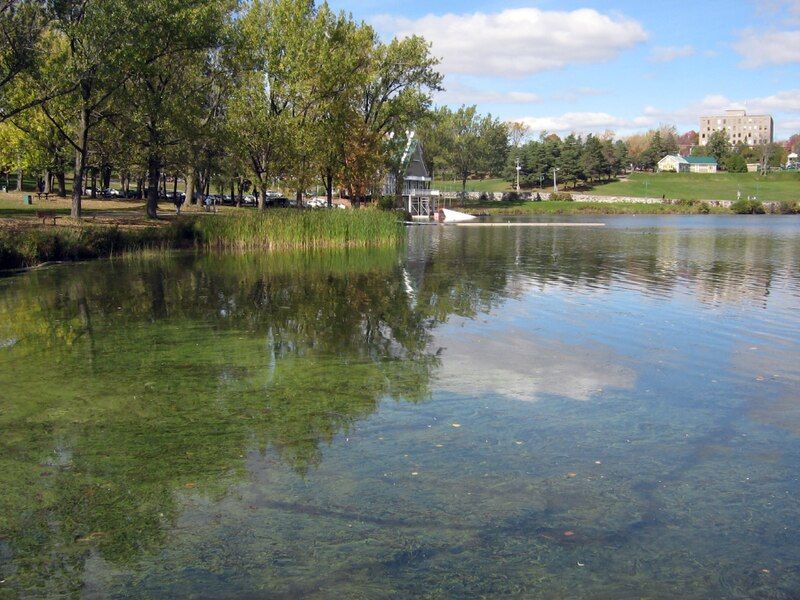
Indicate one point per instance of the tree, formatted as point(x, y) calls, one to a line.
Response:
point(95, 51)
point(22, 26)
point(718, 146)
point(735, 163)
point(166, 88)
point(518, 133)
point(569, 160)
point(593, 161)
point(472, 144)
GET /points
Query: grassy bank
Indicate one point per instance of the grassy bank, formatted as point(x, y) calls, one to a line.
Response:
point(287, 229)
point(695, 186)
point(688, 186)
point(25, 246)
point(594, 208)
point(29, 246)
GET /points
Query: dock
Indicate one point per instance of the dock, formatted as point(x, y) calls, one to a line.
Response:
point(509, 224)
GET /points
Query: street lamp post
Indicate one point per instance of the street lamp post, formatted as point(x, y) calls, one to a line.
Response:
point(555, 179)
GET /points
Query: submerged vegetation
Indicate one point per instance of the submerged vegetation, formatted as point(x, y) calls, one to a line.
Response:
point(285, 229)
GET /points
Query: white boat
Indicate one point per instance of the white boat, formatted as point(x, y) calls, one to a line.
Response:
point(453, 216)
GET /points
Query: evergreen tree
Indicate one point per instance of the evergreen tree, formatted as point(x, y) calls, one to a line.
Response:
point(569, 161)
point(592, 160)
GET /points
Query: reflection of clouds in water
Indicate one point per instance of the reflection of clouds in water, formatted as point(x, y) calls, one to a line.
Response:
point(522, 366)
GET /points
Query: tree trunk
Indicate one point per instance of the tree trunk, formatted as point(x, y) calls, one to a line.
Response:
point(19, 180)
point(94, 182)
point(62, 184)
point(240, 196)
point(153, 185)
point(398, 189)
point(262, 197)
point(329, 186)
point(80, 162)
point(233, 193)
point(139, 186)
point(190, 186)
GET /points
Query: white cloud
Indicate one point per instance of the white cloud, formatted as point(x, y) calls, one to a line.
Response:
point(786, 102)
point(520, 42)
point(457, 92)
point(584, 122)
point(768, 48)
point(669, 53)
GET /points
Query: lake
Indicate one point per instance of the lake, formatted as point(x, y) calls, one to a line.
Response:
point(500, 412)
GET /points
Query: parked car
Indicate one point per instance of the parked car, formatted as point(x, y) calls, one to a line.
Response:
point(111, 193)
point(279, 202)
point(249, 200)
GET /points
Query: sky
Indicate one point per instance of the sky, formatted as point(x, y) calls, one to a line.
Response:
point(625, 66)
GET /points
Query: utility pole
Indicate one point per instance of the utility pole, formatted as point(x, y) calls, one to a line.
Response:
point(555, 180)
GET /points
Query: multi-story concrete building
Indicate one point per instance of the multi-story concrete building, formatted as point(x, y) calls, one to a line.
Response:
point(740, 127)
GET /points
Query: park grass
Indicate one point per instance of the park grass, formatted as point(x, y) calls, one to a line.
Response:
point(774, 187)
point(678, 186)
point(521, 208)
point(473, 185)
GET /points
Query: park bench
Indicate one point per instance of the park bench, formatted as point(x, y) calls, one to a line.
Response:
point(40, 195)
point(44, 215)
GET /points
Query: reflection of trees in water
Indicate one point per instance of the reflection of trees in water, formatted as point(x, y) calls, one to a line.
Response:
point(129, 382)
point(123, 383)
point(463, 271)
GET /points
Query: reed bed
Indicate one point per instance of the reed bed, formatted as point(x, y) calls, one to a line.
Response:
point(300, 229)
point(22, 247)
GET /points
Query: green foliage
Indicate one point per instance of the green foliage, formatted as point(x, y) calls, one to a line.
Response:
point(736, 163)
point(466, 143)
point(31, 246)
point(387, 202)
point(560, 197)
point(717, 146)
point(789, 207)
point(284, 229)
point(748, 207)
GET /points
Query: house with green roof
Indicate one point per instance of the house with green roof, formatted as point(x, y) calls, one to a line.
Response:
point(676, 163)
point(701, 164)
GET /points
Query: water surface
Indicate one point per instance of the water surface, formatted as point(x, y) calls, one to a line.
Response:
point(505, 412)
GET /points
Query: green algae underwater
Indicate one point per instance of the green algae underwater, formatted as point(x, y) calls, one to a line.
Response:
point(496, 413)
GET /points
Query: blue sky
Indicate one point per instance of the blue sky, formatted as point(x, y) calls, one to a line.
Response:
point(591, 66)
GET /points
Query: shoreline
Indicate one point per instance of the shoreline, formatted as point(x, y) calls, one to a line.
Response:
point(24, 246)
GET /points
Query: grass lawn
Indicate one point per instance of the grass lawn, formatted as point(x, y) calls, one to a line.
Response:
point(695, 186)
point(482, 185)
point(683, 186)
point(523, 208)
